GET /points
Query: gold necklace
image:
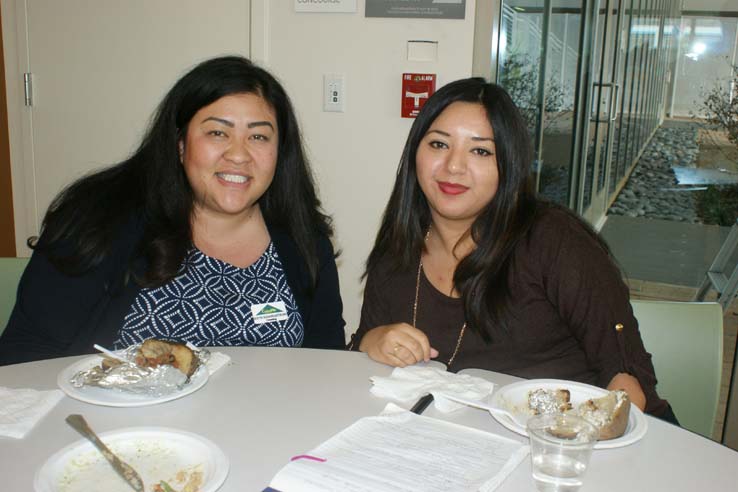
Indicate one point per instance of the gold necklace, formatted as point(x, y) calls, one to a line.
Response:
point(415, 310)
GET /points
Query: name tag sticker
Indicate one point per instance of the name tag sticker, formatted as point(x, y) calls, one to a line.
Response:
point(268, 312)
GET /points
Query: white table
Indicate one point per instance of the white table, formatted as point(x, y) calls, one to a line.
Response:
point(272, 404)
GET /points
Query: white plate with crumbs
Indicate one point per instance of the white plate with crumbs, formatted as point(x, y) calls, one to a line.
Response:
point(514, 398)
point(156, 453)
point(112, 397)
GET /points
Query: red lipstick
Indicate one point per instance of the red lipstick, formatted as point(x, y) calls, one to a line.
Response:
point(452, 188)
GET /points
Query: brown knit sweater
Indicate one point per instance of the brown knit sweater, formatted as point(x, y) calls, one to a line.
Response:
point(566, 299)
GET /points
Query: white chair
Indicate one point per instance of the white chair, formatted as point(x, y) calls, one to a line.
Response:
point(686, 342)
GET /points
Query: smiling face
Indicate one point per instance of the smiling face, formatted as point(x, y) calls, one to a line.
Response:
point(230, 154)
point(456, 164)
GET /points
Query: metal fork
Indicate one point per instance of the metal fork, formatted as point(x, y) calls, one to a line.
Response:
point(125, 470)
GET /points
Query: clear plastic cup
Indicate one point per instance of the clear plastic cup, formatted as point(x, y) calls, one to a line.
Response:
point(560, 448)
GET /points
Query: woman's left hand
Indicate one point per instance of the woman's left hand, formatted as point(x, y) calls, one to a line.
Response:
point(630, 385)
point(397, 344)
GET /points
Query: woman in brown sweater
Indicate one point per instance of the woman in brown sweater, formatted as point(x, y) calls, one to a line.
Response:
point(471, 269)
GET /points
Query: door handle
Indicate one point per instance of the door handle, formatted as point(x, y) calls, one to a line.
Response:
point(613, 95)
point(615, 98)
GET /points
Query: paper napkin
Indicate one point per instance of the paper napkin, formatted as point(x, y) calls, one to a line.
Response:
point(412, 382)
point(21, 409)
point(216, 361)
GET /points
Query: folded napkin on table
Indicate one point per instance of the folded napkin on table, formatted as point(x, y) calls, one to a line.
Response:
point(21, 409)
point(412, 382)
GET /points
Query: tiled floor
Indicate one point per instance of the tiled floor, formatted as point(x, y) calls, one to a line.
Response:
point(663, 251)
point(667, 260)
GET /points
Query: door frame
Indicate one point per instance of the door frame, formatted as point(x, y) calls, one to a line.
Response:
point(7, 220)
point(19, 124)
point(582, 106)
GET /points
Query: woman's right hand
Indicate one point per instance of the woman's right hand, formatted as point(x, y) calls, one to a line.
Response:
point(398, 345)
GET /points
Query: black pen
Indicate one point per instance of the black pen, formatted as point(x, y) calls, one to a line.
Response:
point(422, 404)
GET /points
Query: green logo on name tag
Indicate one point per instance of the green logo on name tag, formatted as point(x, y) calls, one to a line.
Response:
point(269, 309)
point(269, 312)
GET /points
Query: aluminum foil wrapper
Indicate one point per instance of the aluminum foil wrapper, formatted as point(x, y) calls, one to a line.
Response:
point(131, 378)
point(543, 401)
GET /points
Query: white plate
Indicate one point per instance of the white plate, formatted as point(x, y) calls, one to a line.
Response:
point(156, 453)
point(514, 398)
point(117, 398)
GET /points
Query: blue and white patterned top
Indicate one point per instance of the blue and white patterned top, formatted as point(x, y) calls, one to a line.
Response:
point(210, 304)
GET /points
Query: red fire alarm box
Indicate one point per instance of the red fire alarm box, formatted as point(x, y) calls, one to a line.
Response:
point(416, 89)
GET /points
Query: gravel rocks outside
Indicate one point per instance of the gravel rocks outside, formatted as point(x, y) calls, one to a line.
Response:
point(652, 190)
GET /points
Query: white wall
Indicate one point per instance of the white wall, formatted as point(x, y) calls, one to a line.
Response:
point(355, 153)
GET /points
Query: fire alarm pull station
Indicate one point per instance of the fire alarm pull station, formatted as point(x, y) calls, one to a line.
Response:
point(416, 89)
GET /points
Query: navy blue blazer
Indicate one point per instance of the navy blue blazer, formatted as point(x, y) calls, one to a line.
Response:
point(58, 315)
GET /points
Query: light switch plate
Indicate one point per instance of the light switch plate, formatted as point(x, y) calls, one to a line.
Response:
point(334, 92)
point(423, 51)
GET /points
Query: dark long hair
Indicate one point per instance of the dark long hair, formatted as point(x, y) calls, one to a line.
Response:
point(151, 185)
point(480, 277)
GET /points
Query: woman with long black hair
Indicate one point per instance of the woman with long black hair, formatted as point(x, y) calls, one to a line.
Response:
point(211, 232)
point(471, 269)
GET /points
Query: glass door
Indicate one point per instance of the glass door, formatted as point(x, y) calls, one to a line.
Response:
point(558, 124)
point(605, 20)
point(538, 64)
point(524, 26)
point(588, 76)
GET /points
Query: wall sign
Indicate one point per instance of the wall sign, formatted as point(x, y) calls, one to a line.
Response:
point(416, 89)
point(425, 9)
point(325, 5)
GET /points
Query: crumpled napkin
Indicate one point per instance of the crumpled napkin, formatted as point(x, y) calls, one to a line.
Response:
point(412, 382)
point(21, 409)
point(216, 361)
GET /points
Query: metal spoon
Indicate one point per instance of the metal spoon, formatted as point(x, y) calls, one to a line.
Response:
point(125, 470)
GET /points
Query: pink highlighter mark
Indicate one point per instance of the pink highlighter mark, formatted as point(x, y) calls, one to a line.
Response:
point(307, 457)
